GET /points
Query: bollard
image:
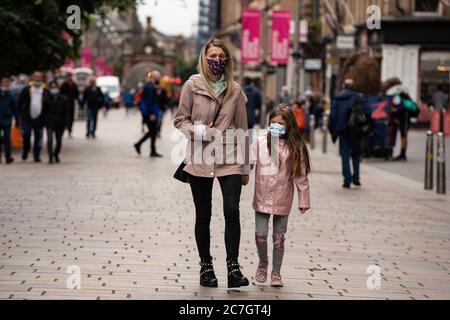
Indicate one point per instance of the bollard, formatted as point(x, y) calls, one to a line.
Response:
point(429, 161)
point(440, 164)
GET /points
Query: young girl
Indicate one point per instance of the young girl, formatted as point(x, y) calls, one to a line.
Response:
point(282, 161)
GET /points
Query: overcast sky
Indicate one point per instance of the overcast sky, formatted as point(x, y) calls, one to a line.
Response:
point(172, 17)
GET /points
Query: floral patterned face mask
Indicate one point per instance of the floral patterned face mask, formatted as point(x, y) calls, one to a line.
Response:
point(217, 66)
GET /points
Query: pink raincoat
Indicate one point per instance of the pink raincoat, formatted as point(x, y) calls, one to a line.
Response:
point(274, 186)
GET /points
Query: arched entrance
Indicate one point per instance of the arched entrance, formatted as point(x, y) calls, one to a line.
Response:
point(139, 71)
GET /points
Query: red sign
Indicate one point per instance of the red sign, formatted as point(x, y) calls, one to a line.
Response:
point(86, 57)
point(436, 121)
point(251, 35)
point(99, 66)
point(279, 38)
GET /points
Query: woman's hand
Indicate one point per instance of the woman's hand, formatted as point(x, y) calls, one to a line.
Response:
point(245, 180)
point(303, 210)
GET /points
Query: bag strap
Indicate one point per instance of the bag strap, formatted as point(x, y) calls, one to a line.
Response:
point(217, 113)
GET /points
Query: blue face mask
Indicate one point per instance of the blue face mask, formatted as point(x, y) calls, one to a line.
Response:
point(276, 130)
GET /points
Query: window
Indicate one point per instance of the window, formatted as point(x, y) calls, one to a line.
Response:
point(427, 8)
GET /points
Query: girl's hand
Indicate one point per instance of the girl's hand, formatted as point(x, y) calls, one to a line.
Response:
point(303, 210)
point(245, 180)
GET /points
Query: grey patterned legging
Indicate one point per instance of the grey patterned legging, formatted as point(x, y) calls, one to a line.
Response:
point(262, 231)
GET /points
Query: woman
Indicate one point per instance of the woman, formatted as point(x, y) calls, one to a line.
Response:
point(56, 114)
point(204, 96)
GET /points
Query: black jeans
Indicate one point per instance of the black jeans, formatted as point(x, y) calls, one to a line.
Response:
point(36, 127)
point(92, 115)
point(350, 147)
point(58, 133)
point(151, 133)
point(202, 193)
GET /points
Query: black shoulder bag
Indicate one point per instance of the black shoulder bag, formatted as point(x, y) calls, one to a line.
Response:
point(182, 175)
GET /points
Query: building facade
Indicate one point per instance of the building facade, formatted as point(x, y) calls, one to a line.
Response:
point(409, 38)
point(411, 42)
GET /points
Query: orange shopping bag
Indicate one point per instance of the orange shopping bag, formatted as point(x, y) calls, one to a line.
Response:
point(16, 137)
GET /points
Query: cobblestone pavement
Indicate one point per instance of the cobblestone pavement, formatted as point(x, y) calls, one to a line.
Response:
point(128, 226)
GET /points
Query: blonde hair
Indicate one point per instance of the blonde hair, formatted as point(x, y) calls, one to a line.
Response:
point(205, 72)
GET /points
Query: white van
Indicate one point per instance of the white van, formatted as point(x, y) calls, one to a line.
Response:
point(110, 85)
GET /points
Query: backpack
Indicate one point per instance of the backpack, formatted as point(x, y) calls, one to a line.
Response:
point(358, 123)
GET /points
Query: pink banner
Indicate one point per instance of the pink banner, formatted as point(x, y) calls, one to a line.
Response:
point(99, 66)
point(109, 69)
point(69, 63)
point(86, 58)
point(279, 37)
point(251, 35)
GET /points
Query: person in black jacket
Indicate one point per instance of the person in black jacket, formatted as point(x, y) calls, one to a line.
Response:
point(56, 113)
point(31, 103)
point(349, 145)
point(7, 111)
point(253, 101)
point(70, 90)
point(94, 99)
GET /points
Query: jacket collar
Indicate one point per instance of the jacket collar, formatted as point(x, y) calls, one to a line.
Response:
point(200, 87)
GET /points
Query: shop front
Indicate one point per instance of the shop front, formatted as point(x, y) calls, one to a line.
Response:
point(416, 50)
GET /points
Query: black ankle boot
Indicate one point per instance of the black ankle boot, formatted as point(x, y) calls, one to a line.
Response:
point(235, 277)
point(207, 276)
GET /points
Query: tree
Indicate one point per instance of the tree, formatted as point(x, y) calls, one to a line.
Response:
point(32, 32)
point(185, 69)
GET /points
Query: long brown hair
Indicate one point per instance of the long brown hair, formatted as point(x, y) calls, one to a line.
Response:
point(207, 75)
point(298, 152)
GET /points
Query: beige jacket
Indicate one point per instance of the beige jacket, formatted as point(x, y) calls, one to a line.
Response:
point(218, 152)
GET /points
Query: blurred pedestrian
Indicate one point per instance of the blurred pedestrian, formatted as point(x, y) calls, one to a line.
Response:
point(349, 143)
point(127, 98)
point(298, 108)
point(137, 96)
point(162, 100)
point(404, 108)
point(316, 108)
point(70, 89)
point(285, 96)
point(274, 192)
point(31, 105)
point(440, 99)
point(253, 101)
point(56, 114)
point(107, 101)
point(94, 100)
point(8, 110)
point(210, 103)
point(150, 113)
